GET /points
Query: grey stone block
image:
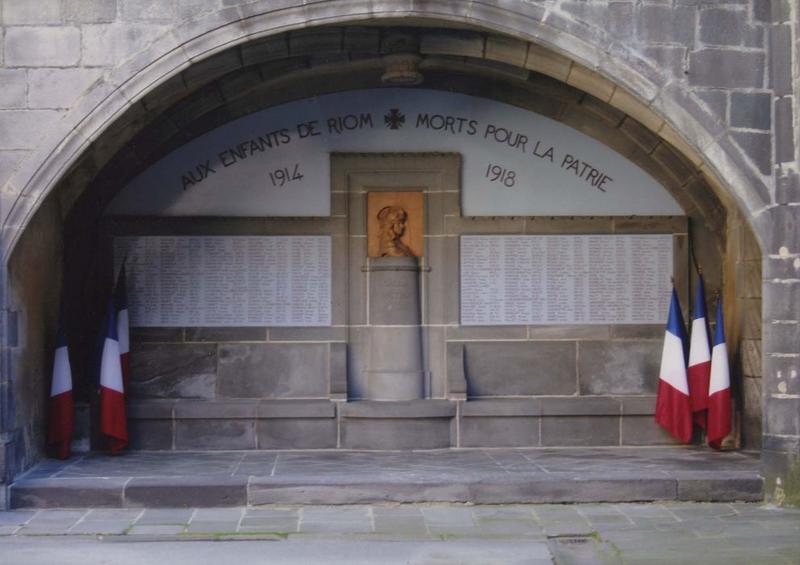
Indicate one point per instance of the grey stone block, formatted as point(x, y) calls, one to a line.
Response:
point(14, 91)
point(186, 492)
point(784, 138)
point(520, 368)
point(213, 67)
point(308, 334)
point(217, 334)
point(585, 406)
point(563, 487)
point(105, 45)
point(22, 129)
point(361, 40)
point(456, 379)
point(219, 409)
point(315, 41)
point(215, 434)
point(628, 367)
point(477, 333)
point(271, 370)
point(715, 100)
point(266, 491)
point(440, 304)
point(758, 147)
point(564, 331)
point(780, 46)
point(499, 431)
point(722, 27)
point(638, 405)
point(67, 493)
point(296, 433)
point(721, 489)
point(59, 88)
point(635, 331)
point(580, 430)
point(27, 13)
point(8, 164)
point(506, 50)
point(150, 409)
point(90, 11)
point(398, 409)
point(643, 430)
point(338, 370)
point(752, 110)
point(147, 10)
point(726, 68)
point(150, 434)
point(266, 50)
point(502, 407)
point(458, 43)
point(172, 371)
point(394, 293)
point(404, 433)
point(42, 46)
point(157, 335)
point(295, 409)
point(666, 24)
point(782, 416)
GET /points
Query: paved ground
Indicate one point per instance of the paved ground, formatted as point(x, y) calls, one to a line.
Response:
point(618, 474)
point(671, 532)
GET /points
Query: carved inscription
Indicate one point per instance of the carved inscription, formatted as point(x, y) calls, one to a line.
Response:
point(565, 279)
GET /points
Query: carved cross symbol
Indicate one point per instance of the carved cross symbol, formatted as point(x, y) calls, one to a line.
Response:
point(394, 119)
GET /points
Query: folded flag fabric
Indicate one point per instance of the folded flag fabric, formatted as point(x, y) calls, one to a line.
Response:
point(719, 390)
point(699, 370)
point(673, 407)
point(123, 335)
point(113, 419)
point(60, 411)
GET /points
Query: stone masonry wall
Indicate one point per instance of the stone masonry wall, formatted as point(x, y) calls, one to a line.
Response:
point(730, 64)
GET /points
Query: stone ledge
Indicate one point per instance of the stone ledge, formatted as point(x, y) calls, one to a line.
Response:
point(184, 492)
point(582, 406)
point(399, 409)
point(502, 407)
point(230, 409)
point(67, 493)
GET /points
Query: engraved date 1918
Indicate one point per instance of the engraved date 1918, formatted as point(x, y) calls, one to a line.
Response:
point(502, 175)
point(284, 175)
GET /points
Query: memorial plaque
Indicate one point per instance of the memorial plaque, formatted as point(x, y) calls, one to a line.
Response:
point(227, 280)
point(565, 279)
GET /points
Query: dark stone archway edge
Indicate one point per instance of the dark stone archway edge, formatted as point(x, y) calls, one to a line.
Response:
point(496, 476)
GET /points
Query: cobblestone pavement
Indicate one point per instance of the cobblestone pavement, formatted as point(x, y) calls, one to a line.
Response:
point(582, 533)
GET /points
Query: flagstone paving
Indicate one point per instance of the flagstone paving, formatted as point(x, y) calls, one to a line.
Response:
point(671, 532)
point(537, 475)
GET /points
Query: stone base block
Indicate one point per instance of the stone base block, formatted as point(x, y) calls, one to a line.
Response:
point(67, 493)
point(415, 424)
point(241, 424)
point(501, 431)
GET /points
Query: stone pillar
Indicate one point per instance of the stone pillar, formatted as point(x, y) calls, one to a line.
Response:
point(395, 370)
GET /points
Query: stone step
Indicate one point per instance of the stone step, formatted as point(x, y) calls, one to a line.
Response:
point(357, 477)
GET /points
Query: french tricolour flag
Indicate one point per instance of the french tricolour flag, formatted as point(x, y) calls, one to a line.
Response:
point(60, 415)
point(699, 370)
point(123, 336)
point(113, 420)
point(673, 407)
point(719, 390)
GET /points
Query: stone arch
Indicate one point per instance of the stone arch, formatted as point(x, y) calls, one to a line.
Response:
point(622, 80)
point(662, 104)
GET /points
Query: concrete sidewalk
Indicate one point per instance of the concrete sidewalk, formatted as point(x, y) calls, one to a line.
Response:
point(480, 476)
point(673, 532)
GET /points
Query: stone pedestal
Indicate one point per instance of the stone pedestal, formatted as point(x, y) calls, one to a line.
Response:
point(395, 370)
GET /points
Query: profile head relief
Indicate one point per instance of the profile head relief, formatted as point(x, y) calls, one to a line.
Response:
point(392, 225)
